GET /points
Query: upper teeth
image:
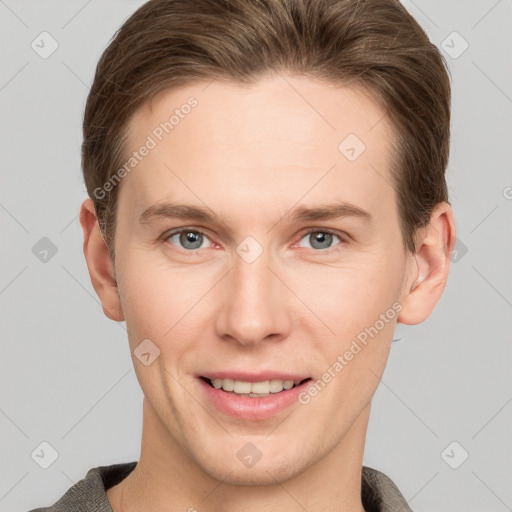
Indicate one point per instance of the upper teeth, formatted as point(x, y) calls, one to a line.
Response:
point(242, 387)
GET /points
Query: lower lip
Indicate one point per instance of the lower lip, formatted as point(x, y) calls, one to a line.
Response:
point(252, 408)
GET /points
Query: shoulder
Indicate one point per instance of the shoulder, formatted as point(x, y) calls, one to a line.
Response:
point(380, 494)
point(89, 493)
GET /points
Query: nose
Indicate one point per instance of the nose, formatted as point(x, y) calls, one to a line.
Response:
point(254, 305)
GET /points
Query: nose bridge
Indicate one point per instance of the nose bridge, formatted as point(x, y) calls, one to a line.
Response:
point(252, 309)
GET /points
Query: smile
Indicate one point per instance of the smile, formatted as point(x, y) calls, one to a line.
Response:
point(251, 399)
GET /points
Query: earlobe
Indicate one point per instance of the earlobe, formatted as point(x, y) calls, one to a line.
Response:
point(429, 273)
point(99, 264)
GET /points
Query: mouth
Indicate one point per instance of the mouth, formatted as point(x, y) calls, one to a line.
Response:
point(258, 397)
point(253, 389)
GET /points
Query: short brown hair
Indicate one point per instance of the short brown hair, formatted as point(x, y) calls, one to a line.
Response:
point(375, 44)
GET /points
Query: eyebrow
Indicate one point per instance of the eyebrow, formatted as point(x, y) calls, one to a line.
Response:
point(300, 214)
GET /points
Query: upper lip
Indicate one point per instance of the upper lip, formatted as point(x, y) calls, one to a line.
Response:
point(254, 377)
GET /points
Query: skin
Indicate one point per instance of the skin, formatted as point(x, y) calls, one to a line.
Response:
point(252, 155)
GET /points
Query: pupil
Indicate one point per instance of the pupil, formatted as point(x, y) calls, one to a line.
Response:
point(324, 238)
point(192, 238)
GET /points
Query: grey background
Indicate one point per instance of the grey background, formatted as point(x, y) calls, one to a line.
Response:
point(66, 372)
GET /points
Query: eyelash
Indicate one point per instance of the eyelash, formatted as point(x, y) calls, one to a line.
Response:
point(335, 248)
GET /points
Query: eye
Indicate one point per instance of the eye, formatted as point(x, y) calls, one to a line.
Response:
point(189, 239)
point(192, 239)
point(321, 238)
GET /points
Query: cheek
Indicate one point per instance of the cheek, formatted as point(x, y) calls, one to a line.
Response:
point(346, 300)
point(363, 315)
point(158, 304)
point(158, 300)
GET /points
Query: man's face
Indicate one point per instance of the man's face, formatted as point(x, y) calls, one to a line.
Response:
point(255, 291)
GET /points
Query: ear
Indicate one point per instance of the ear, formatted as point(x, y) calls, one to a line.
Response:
point(100, 265)
point(432, 261)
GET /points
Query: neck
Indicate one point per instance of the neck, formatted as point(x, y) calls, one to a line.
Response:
point(167, 477)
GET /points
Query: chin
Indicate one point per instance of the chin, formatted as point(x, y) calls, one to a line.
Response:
point(260, 474)
point(279, 462)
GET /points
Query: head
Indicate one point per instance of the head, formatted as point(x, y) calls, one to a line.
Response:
point(250, 111)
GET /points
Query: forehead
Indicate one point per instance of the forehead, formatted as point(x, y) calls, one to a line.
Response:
point(274, 142)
